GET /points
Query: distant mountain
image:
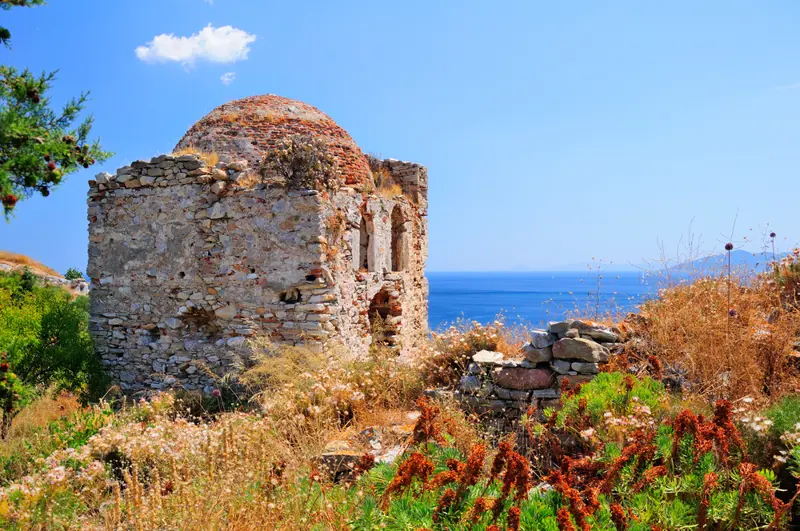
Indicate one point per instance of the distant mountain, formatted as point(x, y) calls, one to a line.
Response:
point(740, 260)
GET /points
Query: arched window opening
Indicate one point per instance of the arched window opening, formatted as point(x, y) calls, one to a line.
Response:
point(385, 315)
point(363, 247)
point(399, 241)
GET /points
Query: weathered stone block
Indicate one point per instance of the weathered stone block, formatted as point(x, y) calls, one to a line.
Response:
point(522, 379)
point(542, 339)
point(561, 366)
point(537, 355)
point(595, 331)
point(510, 394)
point(488, 357)
point(580, 349)
point(585, 368)
point(559, 327)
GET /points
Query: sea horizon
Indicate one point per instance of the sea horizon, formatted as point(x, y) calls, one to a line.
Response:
point(532, 298)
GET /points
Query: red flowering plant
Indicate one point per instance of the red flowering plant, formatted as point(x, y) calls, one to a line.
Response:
point(11, 392)
point(686, 471)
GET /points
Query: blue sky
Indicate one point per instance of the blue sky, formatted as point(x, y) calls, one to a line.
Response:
point(554, 132)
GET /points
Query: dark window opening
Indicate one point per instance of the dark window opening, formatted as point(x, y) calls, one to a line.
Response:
point(399, 240)
point(290, 296)
point(363, 247)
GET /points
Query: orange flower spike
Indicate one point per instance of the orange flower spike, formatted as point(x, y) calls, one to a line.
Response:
point(474, 466)
point(709, 484)
point(416, 466)
point(618, 517)
point(499, 462)
point(479, 508)
point(426, 429)
point(563, 520)
point(442, 478)
point(512, 521)
point(445, 501)
point(649, 476)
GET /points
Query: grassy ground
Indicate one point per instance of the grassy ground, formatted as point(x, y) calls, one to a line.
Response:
point(623, 452)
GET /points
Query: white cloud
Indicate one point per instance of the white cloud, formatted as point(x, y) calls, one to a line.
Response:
point(219, 45)
point(228, 78)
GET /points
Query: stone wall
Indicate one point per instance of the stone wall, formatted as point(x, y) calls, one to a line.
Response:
point(187, 260)
point(566, 354)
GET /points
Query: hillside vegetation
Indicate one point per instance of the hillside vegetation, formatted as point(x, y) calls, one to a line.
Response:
point(694, 425)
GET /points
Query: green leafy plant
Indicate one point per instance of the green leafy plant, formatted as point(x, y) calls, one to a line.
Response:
point(73, 274)
point(45, 335)
point(38, 146)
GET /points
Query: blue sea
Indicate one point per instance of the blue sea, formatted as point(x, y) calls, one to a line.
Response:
point(533, 298)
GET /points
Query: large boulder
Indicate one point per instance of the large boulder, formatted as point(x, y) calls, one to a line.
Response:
point(522, 379)
point(580, 349)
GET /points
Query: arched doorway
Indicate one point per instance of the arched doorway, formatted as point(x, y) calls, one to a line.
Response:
point(399, 240)
point(384, 318)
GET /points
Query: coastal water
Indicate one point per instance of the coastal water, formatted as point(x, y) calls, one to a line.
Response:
point(532, 298)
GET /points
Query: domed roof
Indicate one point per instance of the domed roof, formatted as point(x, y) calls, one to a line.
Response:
point(250, 127)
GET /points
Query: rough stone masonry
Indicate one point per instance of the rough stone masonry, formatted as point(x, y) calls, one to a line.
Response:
point(187, 260)
point(568, 353)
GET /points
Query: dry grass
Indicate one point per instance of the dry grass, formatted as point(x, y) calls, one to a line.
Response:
point(169, 470)
point(210, 158)
point(385, 185)
point(450, 352)
point(36, 416)
point(249, 180)
point(734, 336)
point(21, 260)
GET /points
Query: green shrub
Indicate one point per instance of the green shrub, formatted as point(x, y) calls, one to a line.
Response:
point(73, 274)
point(784, 415)
point(615, 393)
point(44, 334)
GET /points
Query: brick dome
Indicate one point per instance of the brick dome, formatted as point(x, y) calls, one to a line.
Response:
point(250, 127)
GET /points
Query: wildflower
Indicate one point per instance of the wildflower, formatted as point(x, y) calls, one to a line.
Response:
point(772, 235)
point(732, 312)
point(512, 522)
point(649, 476)
point(618, 517)
point(416, 466)
point(442, 478)
point(474, 466)
point(445, 501)
point(426, 429)
point(504, 448)
point(709, 484)
point(216, 393)
point(479, 508)
point(729, 246)
point(563, 520)
point(365, 464)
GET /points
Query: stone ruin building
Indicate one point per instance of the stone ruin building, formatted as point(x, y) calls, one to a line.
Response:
point(190, 256)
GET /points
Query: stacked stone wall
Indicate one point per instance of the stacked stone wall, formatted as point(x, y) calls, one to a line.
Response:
point(568, 353)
